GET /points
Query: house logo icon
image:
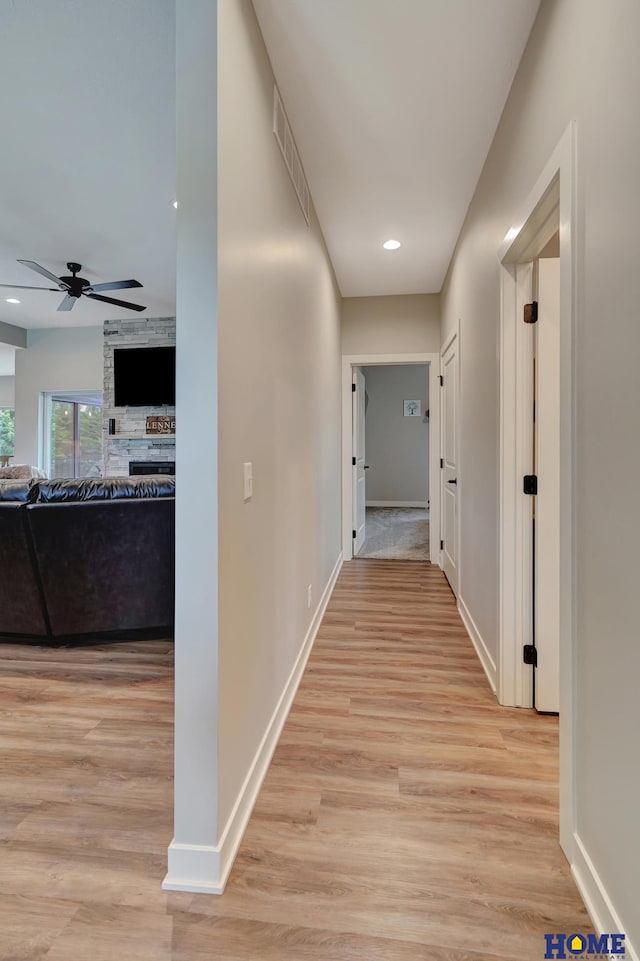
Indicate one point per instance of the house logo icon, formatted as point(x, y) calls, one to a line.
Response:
point(589, 946)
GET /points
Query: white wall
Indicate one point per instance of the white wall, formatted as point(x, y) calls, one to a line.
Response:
point(68, 358)
point(581, 64)
point(270, 332)
point(397, 447)
point(193, 858)
point(399, 324)
point(7, 391)
point(279, 341)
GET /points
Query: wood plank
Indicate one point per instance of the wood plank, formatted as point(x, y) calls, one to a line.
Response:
point(405, 816)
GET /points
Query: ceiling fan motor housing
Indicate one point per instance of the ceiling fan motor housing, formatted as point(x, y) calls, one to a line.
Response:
point(76, 284)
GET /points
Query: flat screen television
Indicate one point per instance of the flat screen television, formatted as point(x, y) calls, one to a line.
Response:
point(144, 376)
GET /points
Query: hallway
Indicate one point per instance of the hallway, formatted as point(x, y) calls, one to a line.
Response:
point(405, 816)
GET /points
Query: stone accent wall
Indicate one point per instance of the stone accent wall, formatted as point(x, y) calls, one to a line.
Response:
point(130, 441)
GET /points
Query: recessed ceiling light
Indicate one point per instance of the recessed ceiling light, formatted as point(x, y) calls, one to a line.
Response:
point(391, 244)
point(12, 300)
point(175, 203)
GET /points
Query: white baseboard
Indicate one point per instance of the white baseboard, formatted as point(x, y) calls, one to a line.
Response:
point(482, 651)
point(597, 902)
point(203, 869)
point(423, 504)
point(194, 868)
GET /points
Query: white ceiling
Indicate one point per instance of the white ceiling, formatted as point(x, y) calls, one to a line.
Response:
point(393, 106)
point(87, 166)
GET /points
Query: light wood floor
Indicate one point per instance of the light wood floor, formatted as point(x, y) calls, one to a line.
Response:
point(405, 817)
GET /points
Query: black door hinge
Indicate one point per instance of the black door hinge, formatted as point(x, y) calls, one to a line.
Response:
point(530, 484)
point(353, 388)
point(441, 463)
point(530, 655)
point(441, 380)
point(353, 534)
point(531, 312)
point(353, 461)
point(441, 545)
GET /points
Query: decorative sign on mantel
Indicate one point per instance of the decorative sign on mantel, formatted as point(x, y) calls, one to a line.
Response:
point(161, 424)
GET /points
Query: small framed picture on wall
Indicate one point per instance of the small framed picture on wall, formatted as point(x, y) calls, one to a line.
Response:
point(411, 408)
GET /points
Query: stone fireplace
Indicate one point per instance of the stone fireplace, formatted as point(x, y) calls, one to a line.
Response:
point(130, 442)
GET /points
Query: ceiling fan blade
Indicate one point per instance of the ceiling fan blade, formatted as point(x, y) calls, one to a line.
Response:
point(67, 303)
point(115, 285)
point(22, 287)
point(42, 270)
point(118, 303)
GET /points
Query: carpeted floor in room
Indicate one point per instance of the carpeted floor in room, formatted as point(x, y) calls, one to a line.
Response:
point(397, 533)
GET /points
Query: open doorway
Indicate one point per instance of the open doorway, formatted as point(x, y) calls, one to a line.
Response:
point(537, 535)
point(396, 446)
point(536, 397)
point(391, 449)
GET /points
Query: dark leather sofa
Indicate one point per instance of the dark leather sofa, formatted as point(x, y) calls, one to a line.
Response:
point(84, 558)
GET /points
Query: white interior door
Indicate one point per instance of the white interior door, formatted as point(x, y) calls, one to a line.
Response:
point(449, 472)
point(547, 500)
point(359, 494)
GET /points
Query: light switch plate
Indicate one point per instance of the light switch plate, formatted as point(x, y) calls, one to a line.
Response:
point(248, 480)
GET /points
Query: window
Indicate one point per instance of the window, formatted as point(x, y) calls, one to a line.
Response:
point(73, 434)
point(7, 429)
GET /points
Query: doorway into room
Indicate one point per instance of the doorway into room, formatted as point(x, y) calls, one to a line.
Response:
point(537, 463)
point(537, 455)
point(391, 449)
point(395, 476)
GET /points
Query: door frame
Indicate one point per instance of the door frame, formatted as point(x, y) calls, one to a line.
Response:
point(554, 196)
point(454, 335)
point(358, 460)
point(386, 360)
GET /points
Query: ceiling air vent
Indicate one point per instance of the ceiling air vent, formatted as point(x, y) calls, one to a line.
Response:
point(283, 135)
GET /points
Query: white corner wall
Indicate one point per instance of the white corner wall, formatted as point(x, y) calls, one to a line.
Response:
point(7, 391)
point(59, 358)
point(398, 324)
point(397, 447)
point(279, 330)
point(270, 333)
point(194, 857)
point(580, 64)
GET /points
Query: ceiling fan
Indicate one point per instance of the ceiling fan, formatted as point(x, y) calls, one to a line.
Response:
point(75, 287)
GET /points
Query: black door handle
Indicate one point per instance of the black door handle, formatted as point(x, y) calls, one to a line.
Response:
point(454, 481)
point(366, 467)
